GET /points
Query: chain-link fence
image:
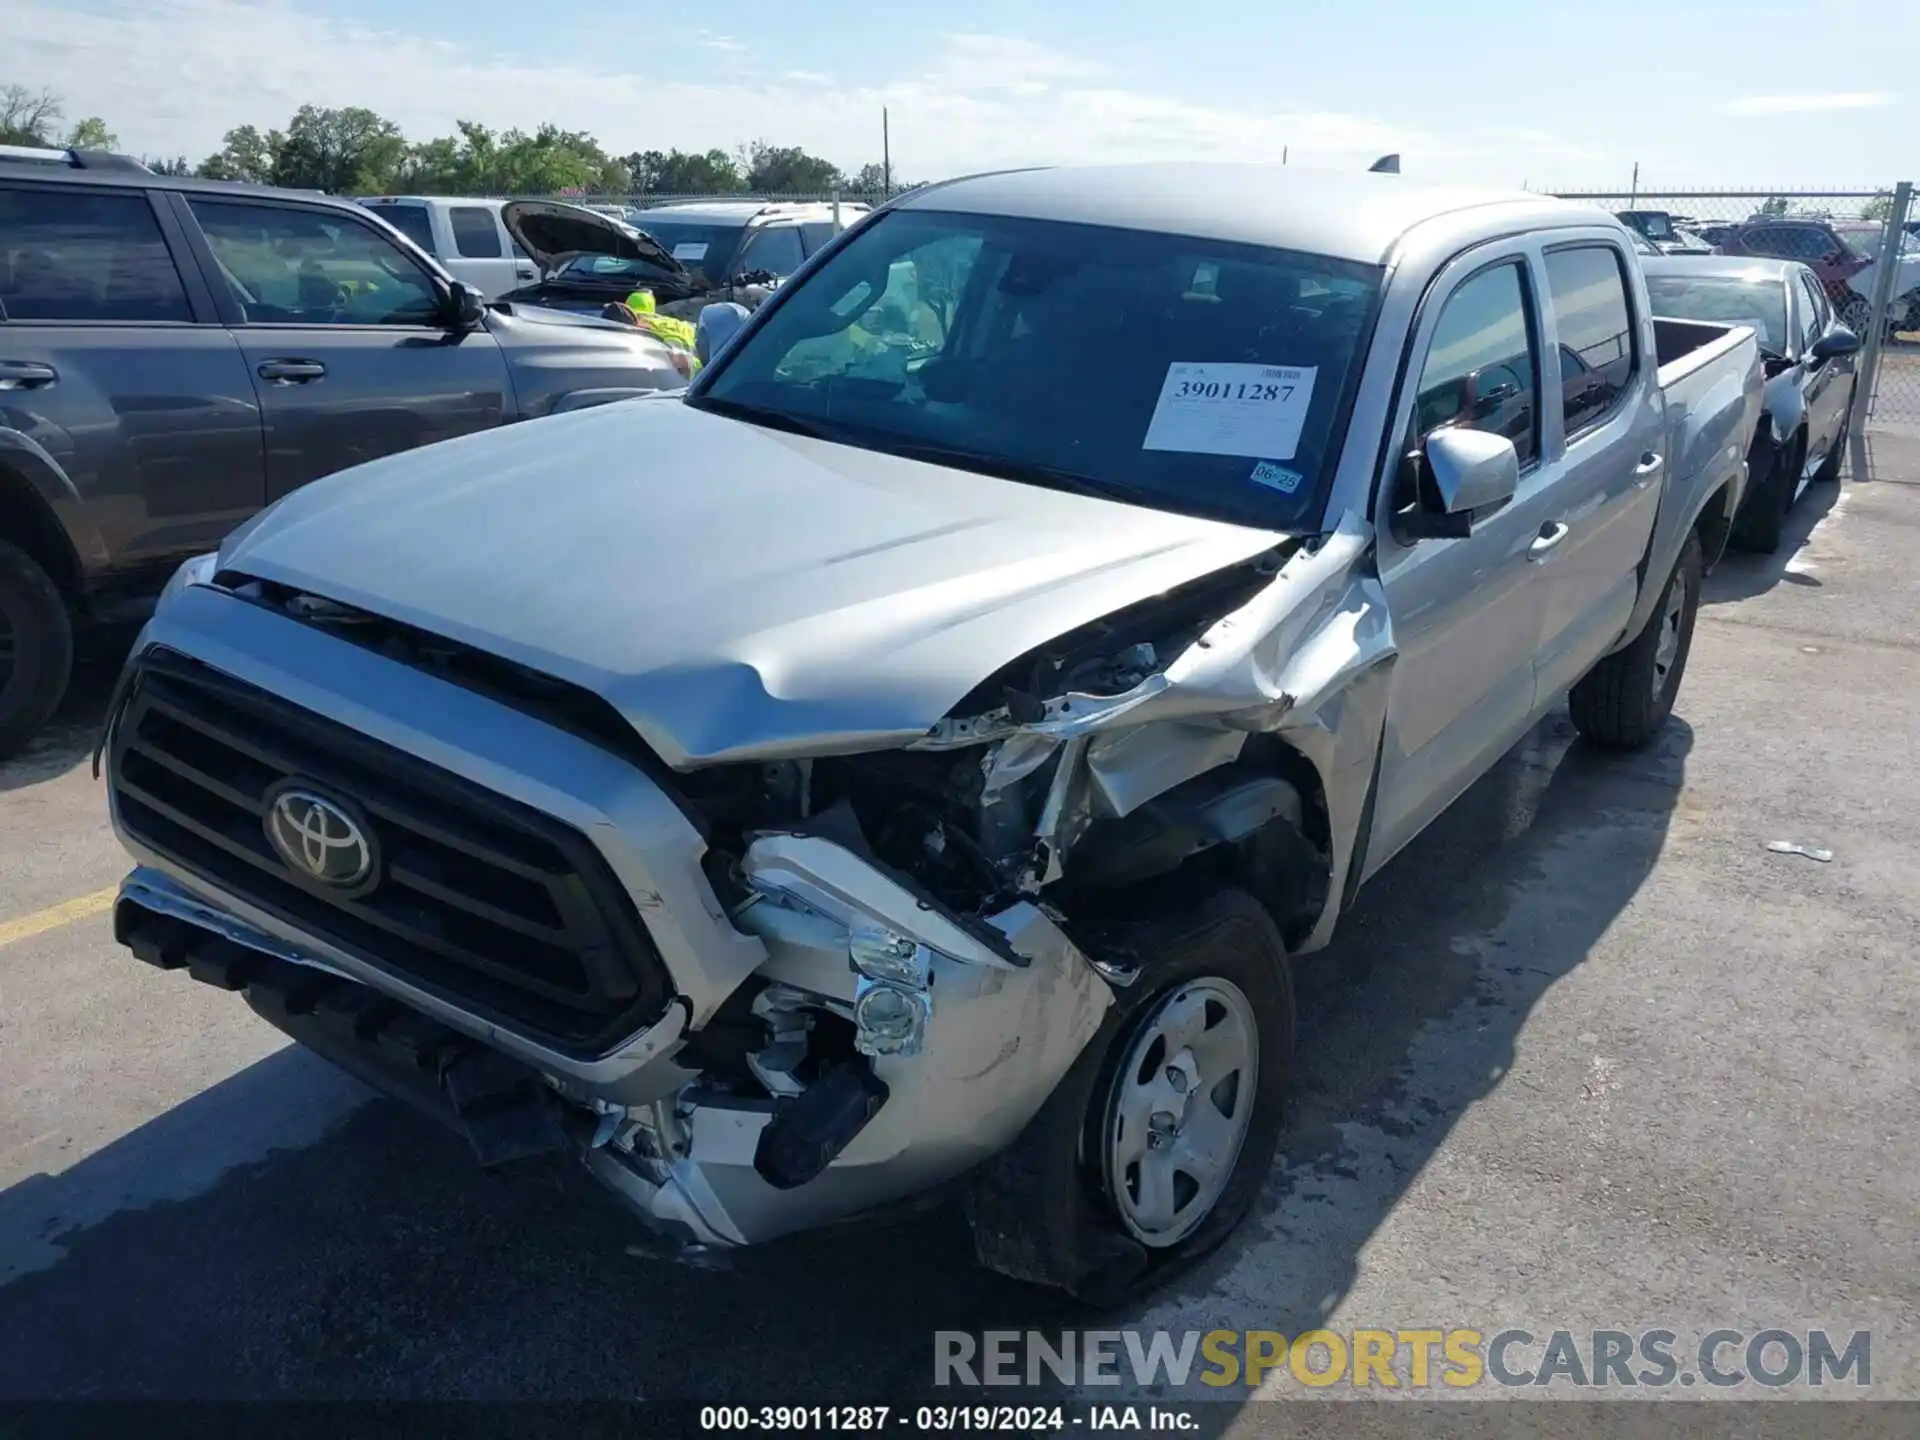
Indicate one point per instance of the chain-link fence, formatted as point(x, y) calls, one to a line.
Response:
point(1857, 243)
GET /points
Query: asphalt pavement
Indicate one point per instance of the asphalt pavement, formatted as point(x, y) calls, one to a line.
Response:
point(1587, 1055)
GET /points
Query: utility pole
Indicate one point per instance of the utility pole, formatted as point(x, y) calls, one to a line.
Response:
point(1283, 154)
point(1633, 191)
point(886, 156)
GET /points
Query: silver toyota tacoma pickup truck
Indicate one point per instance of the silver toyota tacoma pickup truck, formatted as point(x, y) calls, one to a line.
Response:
point(908, 766)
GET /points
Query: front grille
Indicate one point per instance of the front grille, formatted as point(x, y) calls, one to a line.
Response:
point(479, 899)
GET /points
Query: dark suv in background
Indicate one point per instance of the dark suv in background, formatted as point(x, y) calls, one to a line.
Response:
point(177, 353)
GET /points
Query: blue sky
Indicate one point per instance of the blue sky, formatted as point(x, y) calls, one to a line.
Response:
point(1561, 94)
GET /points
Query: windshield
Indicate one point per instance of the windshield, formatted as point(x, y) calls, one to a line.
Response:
point(1205, 377)
point(1762, 304)
point(611, 268)
point(703, 246)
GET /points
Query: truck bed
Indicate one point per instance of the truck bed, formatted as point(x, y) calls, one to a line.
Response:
point(1711, 378)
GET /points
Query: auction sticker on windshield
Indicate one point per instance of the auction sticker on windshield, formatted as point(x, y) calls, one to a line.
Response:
point(1254, 411)
point(690, 250)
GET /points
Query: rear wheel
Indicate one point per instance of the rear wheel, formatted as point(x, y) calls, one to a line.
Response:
point(36, 648)
point(1857, 314)
point(1156, 1143)
point(1623, 702)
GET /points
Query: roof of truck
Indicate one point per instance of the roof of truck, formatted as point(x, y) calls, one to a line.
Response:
point(1356, 216)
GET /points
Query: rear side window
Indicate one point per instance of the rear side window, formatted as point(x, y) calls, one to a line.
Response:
point(1588, 294)
point(1483, 365)
point(475, 234)
point(411, 221)
point(68, 255)
point(817, 235)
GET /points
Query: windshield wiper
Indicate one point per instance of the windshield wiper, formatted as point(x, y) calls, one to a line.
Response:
point(756, 415)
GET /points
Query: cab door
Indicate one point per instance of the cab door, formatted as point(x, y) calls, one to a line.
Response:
point(1605, 433)
point(347, 337)
point(114, 362)
point(1465, 609)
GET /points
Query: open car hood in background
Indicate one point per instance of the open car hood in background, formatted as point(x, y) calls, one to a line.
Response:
point(549, 230)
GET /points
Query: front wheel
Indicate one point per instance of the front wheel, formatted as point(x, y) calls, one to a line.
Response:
point(1622, 702)
point(1155, 1144)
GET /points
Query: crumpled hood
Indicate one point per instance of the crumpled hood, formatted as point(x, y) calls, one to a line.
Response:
point(735, 592)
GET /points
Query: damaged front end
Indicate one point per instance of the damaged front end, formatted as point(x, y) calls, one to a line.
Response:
point(934, 916)
point(877, 966)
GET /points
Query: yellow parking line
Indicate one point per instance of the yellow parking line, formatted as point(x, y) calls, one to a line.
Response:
point(54, 916)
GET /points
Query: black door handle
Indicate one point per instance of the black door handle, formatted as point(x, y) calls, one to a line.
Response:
point(26, 374)
point(291, 372)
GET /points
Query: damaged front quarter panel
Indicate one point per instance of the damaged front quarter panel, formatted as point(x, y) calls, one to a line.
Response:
point(1303, 658)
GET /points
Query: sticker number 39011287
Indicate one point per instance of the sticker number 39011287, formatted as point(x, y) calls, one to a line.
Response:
point(1254, 411)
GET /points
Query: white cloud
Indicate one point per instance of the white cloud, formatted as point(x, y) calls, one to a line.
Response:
point(709, 41)
point(1801, 104)
point(171, 76)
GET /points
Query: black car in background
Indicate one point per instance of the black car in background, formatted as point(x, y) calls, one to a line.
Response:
point(1808, 354)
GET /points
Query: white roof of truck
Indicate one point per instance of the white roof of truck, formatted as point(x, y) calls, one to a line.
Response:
point(1355, 216)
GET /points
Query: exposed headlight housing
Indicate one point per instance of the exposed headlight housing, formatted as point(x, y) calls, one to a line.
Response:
point(891, 1003)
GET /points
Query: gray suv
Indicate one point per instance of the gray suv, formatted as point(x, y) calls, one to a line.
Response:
point(176, 354)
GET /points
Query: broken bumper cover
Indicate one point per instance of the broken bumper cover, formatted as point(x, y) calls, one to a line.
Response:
point(1004, 1010)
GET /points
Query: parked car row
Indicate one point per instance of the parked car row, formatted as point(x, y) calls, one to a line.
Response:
point(1843, 254)
point(908, 763)
point(177, 353)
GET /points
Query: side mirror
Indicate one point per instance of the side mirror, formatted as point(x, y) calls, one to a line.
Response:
point(1463, 473)
point(466, 307)
point(1835, 344)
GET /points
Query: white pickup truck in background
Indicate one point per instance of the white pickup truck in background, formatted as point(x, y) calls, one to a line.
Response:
point(464, 235)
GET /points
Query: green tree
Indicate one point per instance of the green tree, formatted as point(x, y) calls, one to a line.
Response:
point(871, 180)
point(1879, 208)
point(1774, 205)
point(244, 154)
point(787, 169)
point(344, 152)
point(160, 165)
point(434, 167)
point(681, 172)
point(92, 134)
point(27, 118)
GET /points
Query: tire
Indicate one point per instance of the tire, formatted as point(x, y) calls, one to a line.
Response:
point(1060, 1206)
point(1857, 315)
point(1763, 512)
point(1622, 703)
point(36, 648)
point(1829, 471)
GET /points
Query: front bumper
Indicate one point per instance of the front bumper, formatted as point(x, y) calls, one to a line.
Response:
point(1008, 1003)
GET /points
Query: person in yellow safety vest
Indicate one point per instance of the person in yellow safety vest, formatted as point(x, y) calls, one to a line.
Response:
point(678, 335)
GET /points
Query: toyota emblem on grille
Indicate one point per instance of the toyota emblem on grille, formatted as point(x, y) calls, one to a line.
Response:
point(316, 836)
